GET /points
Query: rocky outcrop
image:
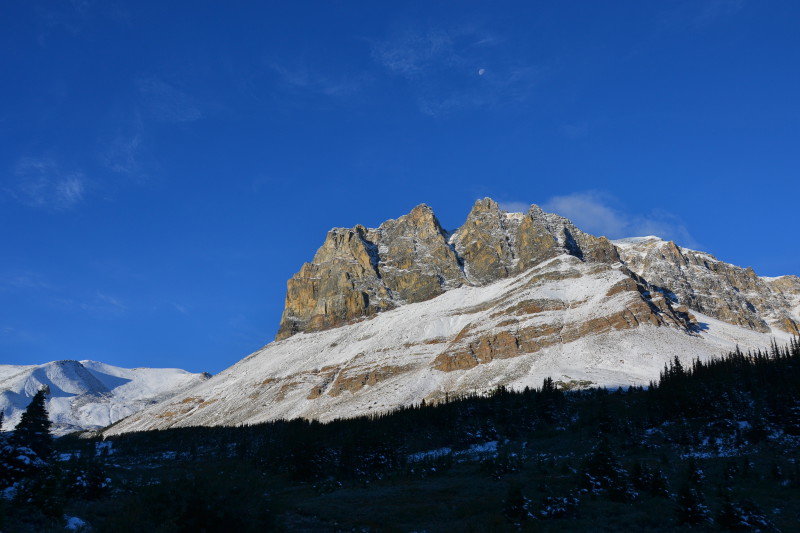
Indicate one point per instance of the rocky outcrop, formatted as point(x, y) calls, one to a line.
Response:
point(415, 261)
point(529, 325)
point(486, 243)
point(494, 244)
point(359, 272)
point(702, 282)
point(341, 283)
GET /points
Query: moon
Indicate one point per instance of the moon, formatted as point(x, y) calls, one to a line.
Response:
point(481, 72)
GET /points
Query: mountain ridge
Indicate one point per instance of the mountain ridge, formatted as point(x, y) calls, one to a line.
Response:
point(359, 272)
point(391, 316)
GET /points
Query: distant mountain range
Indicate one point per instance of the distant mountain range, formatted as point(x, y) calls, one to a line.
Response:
point(87, 394)
point(406, 312)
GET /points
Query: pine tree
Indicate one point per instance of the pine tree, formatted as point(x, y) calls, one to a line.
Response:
point(692, 509)
point(33, 430)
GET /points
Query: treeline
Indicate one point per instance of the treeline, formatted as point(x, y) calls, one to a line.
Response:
point(739, 384)
point(746, 395)
point(560, 454)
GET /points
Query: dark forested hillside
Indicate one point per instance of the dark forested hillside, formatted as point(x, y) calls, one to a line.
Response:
point(714, 445)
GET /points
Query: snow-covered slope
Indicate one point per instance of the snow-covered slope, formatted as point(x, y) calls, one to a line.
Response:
point(88, 394)
point(575, 321)
point(390, 316)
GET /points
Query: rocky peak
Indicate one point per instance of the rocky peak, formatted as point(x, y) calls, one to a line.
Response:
point(415, 260)
point(359, 272)
point(704, 283)
point(340, 284)
point(486, 242)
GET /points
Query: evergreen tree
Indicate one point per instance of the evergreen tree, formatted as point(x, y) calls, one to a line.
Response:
point(692, 509)
point(33, 430)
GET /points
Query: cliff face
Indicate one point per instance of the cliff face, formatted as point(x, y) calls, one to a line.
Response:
point(359, 272)
point(702, 282)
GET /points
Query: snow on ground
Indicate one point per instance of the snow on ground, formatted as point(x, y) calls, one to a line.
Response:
point(74, 523)
point(476, 451)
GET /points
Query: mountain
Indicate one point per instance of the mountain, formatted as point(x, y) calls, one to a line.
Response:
point(390, 316)
point(87, 394)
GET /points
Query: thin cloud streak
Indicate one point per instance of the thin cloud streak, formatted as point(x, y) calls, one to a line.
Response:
point(414, 54)
point(166, 102)
point(699, 14)
point(304, 79)
point(594, 213)
point(42, 183)
point(103, 305)
point(715, 9)
point(122, 153)
point(462, 69)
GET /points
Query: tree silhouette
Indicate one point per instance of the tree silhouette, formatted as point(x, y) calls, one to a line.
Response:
point(33, 430)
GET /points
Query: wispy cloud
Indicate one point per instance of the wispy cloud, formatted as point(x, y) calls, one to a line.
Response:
point(598, 213)
point(574, 130)
point(700, 13)
point(713, 9)
point(103, 305)
point(74, 16)
point(23, 280)
point(244, 330)
point(459, 69)
point(42, 183)
point(415, 54)
point(303, 78)
point(123, 150)
point(166, 102)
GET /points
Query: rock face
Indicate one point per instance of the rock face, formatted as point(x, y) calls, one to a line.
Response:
point(358, 272)
point(721, 290)
point(518, 326)
point(415, 261)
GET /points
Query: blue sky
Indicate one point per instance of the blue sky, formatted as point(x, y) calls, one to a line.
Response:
point(165, 169)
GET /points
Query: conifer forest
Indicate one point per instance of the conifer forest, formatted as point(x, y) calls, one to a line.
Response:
point(714, 446)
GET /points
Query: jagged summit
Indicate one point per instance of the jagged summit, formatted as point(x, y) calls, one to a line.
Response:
point(359, 272)
point(702, 282)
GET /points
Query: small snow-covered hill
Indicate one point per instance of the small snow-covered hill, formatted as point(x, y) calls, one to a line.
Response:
point(88, 394)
